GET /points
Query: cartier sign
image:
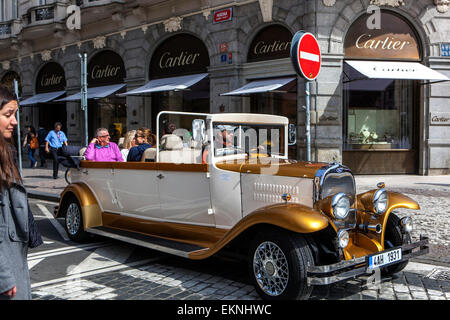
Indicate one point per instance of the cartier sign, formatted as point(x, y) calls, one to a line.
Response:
point(273, 42)
point(183, 59)
point(178, 55)
point(440, 118)
point(395, 40)
point(50, 78)
point(106, 68)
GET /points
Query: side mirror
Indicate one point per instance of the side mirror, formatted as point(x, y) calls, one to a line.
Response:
point(198, 130)
point(292, 134)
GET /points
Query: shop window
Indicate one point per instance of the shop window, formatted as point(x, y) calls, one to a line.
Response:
point(278, 103)
point(196, 99)
point(378, 113)
point(110, 113)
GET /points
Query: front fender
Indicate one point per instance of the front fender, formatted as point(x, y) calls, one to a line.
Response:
point(294, 217)
point(395, 200)
point(92, 214)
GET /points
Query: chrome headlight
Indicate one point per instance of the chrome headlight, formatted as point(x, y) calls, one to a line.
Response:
point(407, 224)
point(380, 201)
point(343, 238)
point(340, 205)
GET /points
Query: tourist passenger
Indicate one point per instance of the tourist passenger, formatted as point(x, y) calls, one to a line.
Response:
point(142, 137)
point(101, 149)
point(128, 143)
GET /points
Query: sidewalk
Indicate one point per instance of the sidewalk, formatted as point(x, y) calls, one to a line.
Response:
point(40, 184)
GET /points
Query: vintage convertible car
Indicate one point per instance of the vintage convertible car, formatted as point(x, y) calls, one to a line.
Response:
point(224, 183)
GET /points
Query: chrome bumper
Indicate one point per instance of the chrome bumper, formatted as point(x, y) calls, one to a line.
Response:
point(348, 269)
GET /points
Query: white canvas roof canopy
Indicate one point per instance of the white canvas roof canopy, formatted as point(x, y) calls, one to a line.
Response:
point(167, 84)
point(42, 98)
point(96, 92)
point(260, 86)
point(395, 70)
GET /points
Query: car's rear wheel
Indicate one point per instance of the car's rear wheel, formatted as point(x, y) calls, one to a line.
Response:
point(393, 238)
point(277, 267)
point(74, 220)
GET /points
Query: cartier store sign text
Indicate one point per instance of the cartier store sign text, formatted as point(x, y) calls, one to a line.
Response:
point(272, 42)
point(106, 68)
point(440, 118)
point(395, 40)
point(178, 55)
point(50, 78)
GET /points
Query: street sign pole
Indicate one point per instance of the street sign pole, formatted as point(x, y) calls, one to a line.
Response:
point(308, 120)
point(84, 104)
point(306, 59)
point(19, 144)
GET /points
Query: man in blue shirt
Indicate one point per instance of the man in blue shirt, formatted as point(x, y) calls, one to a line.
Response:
point(54, 142)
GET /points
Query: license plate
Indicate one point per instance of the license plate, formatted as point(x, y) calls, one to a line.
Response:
point(379, 260)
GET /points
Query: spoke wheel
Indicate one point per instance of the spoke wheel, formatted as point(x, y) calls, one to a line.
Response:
point(74, 220)
point(278, 263)
point(271, 268)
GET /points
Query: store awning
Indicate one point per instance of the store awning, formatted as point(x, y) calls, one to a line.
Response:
point(167, 84)
point(260, 86)
point(396, 70)
point(96, 92)
point(42, 98)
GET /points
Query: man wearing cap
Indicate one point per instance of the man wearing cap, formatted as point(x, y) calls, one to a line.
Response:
point(224, 139)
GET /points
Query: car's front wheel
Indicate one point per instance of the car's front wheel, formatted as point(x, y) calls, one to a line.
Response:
point(393, 238)
point(74, 221)
point(278, 263)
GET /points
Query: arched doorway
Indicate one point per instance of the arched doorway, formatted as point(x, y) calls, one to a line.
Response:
point(182, 59)
point(381, 96)
point(106, 76)
point(51, 78)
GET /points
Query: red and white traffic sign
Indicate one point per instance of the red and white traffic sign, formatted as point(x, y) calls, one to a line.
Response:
point(305, 55)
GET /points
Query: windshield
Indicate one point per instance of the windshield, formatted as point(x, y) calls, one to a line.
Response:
point(251, 139)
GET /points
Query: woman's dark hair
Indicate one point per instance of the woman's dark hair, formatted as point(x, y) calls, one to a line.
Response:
point(6, 96)
point(8, 167)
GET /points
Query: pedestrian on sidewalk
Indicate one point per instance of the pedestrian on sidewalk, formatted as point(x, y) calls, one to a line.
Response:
point(41, 135)
point(31, 144)
point(18, 230)
point(55, 141)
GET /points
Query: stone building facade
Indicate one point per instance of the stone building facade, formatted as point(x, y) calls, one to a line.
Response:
point(38, 34)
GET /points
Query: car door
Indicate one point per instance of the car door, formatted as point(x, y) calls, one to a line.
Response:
point(100, 180)
point(184, 194)
point(136, 189)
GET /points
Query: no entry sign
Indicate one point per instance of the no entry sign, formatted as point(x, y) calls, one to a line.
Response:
point(305, 55)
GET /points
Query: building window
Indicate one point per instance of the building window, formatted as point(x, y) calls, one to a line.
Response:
point(378, 113)
point(3, 10)
point(14, 9)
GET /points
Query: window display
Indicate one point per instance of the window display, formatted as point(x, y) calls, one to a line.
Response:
point(378, 113)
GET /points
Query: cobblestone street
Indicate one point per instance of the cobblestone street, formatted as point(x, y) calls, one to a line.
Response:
point(154, 275)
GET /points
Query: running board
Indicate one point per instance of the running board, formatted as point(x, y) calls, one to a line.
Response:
point(169, 246)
